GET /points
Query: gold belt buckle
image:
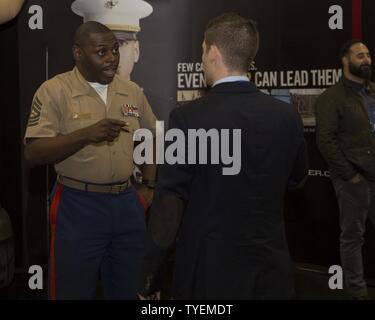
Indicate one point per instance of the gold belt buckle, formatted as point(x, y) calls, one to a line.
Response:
point(118, 188)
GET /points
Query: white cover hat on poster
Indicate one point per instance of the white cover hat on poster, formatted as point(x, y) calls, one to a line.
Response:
point(118, 15)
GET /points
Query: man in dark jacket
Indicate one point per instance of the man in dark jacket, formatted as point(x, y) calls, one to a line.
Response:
point(229, 223)
point(345, 123)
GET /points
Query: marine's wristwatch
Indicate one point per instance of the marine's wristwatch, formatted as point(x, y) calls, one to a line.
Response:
point(148, 183)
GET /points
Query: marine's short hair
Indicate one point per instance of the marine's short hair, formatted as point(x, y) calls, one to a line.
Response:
point(83, 32)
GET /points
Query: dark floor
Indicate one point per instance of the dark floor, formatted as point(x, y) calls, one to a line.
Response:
point(311, 283)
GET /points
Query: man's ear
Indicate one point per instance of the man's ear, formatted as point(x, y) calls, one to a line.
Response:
point(345, 61)
point(136, 51)
point(77, 52)
point(214, 53)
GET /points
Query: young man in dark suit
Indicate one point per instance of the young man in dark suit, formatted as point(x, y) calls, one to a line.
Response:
point(229, 226)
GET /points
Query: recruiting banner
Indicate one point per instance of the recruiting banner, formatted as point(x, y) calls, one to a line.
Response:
point(296, 62)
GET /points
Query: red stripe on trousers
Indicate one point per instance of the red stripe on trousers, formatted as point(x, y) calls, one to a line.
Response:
point(143, 201)
point(357, 19)
point(53, 220)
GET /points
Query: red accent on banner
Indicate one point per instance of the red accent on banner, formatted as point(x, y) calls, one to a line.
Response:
point(53, 220)
point(357, 19)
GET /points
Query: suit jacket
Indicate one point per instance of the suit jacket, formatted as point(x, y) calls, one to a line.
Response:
point(230, 239)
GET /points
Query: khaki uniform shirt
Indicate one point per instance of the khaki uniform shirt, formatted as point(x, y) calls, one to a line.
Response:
point(67, 103)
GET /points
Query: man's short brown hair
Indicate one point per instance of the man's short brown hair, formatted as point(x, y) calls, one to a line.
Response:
point(236, 37)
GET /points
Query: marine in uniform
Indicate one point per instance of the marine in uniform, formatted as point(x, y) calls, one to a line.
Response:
point(83, 121)
point(122, 17)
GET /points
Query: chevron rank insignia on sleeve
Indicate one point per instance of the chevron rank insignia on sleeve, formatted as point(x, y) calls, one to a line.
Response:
point(35, 113)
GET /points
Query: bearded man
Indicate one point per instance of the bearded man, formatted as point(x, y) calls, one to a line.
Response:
point(345, 132)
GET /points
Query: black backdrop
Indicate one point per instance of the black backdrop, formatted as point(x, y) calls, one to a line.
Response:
point(295, 39)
